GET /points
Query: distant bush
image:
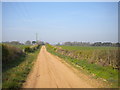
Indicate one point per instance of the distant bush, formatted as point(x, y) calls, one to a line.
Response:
point(31, 49)
point(28, 49)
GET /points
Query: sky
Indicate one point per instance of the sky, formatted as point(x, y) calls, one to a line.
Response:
point(60, 21)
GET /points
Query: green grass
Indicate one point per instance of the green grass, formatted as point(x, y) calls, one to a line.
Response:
point(17, 71)
point(107, 73)
point(86, 48)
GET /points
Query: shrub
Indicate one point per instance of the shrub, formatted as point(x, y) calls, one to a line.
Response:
point(31, 49)
point(28, 49)
point(5, 53)
point(9, 53)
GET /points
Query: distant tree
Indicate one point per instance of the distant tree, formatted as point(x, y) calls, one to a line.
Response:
point(117, 44)
point(68, 43)
point(40, 43)
point(33, 42)
point(15, 42)
point(97, 44)
point(46, 43)
point(6, 42)
point(58, 44)
point(107, 44)
point(77, 43)
point(28, 42)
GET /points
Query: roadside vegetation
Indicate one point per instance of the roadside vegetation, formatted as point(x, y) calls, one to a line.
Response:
point(17, 63)
point(0, 65)
point(22, 46)
point(101, 62)
point(104, 56)
point(0, 52)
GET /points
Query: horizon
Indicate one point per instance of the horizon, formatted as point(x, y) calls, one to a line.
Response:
point(59, 42)
point(57, 22)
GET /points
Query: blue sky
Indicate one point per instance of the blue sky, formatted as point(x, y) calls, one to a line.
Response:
point(60, 21)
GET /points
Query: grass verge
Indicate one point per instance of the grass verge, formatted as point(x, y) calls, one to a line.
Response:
point(107, 73)
point(19, 69)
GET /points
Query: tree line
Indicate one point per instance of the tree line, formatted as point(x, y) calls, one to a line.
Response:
point(90, 44)
point(28, 42)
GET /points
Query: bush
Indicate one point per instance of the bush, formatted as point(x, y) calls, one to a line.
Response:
point(28, 49)
point(5, 53)
point(15, 73)
point(9, 53)
point(31, 49)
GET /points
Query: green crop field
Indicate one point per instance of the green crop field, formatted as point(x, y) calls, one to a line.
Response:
point(87, 48)
point(105, 56)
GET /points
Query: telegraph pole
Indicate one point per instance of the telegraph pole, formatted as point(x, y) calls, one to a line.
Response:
point(36, 37)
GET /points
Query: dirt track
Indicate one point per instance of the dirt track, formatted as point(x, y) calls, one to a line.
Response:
point(50, 72)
